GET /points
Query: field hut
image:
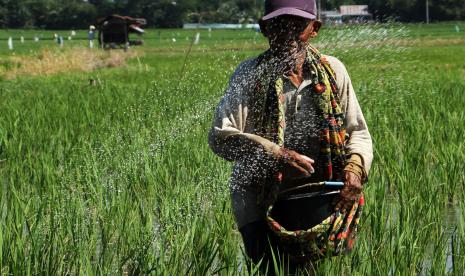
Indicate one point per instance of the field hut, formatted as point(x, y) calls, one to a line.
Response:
point(114, 31)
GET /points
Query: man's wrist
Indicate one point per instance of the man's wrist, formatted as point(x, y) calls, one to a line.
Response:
point(355, 166)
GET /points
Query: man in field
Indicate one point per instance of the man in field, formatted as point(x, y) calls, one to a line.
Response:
point(288, 114)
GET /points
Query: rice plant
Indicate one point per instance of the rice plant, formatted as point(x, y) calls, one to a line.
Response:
point(114, 176)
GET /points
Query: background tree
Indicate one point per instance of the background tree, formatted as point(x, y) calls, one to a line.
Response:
point(103, 7)
point(3, 14)
point(18, 14)
point(44, 13)
point(75, 14)
point(59, 14)
point(448, 10)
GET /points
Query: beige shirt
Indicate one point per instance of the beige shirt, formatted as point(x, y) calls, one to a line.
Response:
point(301, 132)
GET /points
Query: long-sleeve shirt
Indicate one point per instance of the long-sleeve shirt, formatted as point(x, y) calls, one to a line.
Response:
point(233, 119)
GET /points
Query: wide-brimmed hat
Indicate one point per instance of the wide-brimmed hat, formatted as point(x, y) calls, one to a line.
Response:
point(301, 8)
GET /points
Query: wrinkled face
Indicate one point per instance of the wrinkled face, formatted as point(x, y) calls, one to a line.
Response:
point(288, 33)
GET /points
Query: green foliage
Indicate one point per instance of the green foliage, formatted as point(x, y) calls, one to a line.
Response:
point(414, 11)
point(60, 14)
point(48, 14)
point(117, 177)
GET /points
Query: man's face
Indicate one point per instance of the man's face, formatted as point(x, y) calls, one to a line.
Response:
point(288, 33)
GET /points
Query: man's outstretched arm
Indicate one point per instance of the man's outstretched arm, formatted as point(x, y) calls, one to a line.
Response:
point(230, 138)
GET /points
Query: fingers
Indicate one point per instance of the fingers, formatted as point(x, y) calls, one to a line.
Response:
point(306, 166)
point(343, 205)
point(349, 194)
point(301, 163)
point(345, 200)
point(301, 169)
point(308, 159)
point(306, 163)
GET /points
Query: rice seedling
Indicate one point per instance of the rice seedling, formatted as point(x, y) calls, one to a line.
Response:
point(117, 177)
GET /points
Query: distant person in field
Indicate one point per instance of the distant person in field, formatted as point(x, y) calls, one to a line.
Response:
point(91, 36)
point(291, 113)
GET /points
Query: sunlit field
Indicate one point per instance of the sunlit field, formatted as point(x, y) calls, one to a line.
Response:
point(105, 167)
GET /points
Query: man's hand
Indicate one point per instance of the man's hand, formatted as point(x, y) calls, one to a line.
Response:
point(293, 164)
point(350, 193)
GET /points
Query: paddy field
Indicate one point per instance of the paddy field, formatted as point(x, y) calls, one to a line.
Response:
point(105, 167)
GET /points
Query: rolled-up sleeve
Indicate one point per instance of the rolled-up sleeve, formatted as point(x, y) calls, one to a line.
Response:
point(230, 115)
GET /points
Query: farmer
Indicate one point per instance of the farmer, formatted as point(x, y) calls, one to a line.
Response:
point(91, 36)
point(288, 114)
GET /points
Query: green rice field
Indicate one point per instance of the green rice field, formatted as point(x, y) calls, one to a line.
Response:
point(106, 170)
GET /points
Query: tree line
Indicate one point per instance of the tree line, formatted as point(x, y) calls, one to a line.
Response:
point(60, 14)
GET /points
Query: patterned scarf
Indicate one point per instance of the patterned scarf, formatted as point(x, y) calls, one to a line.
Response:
point(270, 112)
point(336, 233)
